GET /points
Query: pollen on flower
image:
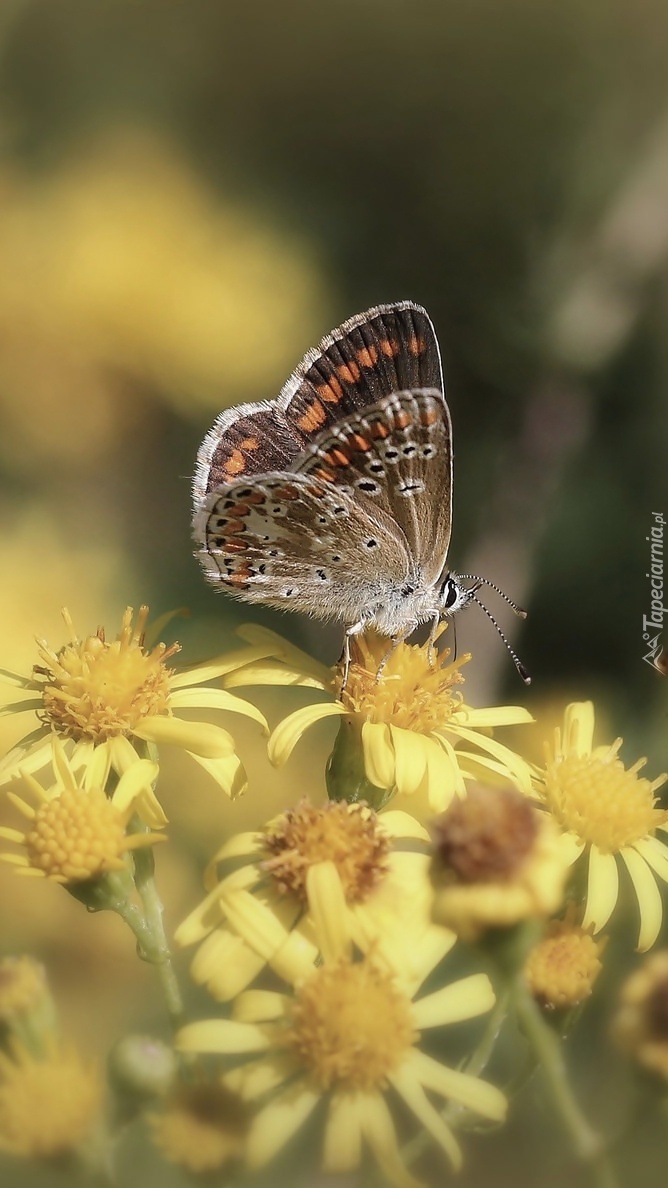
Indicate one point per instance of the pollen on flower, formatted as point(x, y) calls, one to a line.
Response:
point(350, 1026)
point(75, 836)
point(416, 689)
point(485, 837)
point(562, 968)
point(47, 1107)
point(201, 1128)
point(96, 689)
point(595, 797)
point(349, 835)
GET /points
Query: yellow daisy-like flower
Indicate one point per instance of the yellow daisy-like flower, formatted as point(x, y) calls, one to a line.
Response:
point(48, 1106)
point(117, 695)
point(497, 861)
point(608, 813)
point(76, 832)
point(407, 708)
point(349, 1035)
point(366, 873)
point(201, 1127)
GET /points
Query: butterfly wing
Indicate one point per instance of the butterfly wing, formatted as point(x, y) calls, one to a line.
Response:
point(395, 458)
point(384, 350)
point(294, 540)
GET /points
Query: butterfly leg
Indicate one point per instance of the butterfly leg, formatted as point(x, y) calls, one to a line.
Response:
point(394, 643)
point(431, 642)
point(350, 631)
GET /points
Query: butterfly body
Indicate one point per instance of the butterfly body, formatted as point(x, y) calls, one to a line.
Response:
point(335, 499)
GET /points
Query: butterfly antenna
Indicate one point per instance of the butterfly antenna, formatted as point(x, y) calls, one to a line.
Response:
point(513, 654)
point(481, 581)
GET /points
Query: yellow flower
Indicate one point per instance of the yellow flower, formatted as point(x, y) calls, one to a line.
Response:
point(76, 832)
point(349, 1035)
point(562, 968)
point(48, 1106)
point(116, 696)
point(607, 812)
point(497, 861)
point(201, 1127)
point(365, 874)
point(415, 729)
point(641, 1025)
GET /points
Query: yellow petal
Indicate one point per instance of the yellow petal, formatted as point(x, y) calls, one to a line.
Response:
point(377, 1127)
point(342, 1149)
point(440, 781)
point(400, 824)
point(200, 738)
point(23, 758)
point(122, 752)
point(469, 1091)
point(224, 1036)
point(259, 1006)
point(455, 779)
point(410, 759)
point(225, 964)
point(648, 896)
point(219, 699)
point(327, 904)
point(260, 925)
point(242, 845)
point(273, 672)
point(602, 889)
point(493, 715)
point(464, 999)
point(288, 732)
point(655, 853)
point(378, 754)
point(228, 772)
point(517, 767)
point(12, 835)
point(257, 1078)
point(579, 727)
point(409, 1088)
point(274, 1125)
point(201, 920)
point(199, 674)
point(137, 779)
point(294, 657)
point(96, 772)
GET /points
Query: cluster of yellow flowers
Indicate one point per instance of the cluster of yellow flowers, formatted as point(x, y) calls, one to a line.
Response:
point(324, 932)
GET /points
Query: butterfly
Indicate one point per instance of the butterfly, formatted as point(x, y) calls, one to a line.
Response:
point(335, 499)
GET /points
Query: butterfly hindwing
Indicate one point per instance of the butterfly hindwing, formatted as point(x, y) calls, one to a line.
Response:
point(292, 540)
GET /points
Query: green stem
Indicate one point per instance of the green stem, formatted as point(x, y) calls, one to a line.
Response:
point(546, 1047)
point(152, 940)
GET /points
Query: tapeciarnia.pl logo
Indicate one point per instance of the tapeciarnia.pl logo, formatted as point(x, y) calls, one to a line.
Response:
point(655, 654)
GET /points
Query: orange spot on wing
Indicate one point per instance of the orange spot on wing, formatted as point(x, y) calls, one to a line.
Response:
point(360, 443)
point(235, 464)
point(368, 356)
point(234, 527)
point(390, 347)
point(249, 443)
point(255, 498)
point(331, 392)
point(379, 431)
point(234, 546)
point(402, 419)
point(349, 372)
point(416, 346)
point(287, 492)
point(429, 415)
point(312, 418)
point(325, 475)
point(337, 457)
point(240, 578)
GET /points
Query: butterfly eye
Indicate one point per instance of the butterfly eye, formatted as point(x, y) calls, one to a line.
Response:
point(450, 593)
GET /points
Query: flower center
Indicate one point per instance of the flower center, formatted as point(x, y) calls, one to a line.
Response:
point(47, 1107)
point(349, 835)
point(595, 797)
point(75, 836)
point(416, 689)
point(563, 967)
point(96, 689)
point(350, 1026)
point(485, 837)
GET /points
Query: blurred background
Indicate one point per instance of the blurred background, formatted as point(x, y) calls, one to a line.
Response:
point(191, 195)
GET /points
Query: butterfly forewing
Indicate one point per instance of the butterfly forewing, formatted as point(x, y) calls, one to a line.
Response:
point(384, 350)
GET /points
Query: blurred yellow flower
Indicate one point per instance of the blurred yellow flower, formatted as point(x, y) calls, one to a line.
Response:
point(114, 696)
point(562, 968)
point(640, 1024)
point(76, 832)
point(201, 1127)
point(346, 1034)
point(48, 1106)
point(607, 812)
point(339, 871)
point(410, 714)
point(497, 861)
